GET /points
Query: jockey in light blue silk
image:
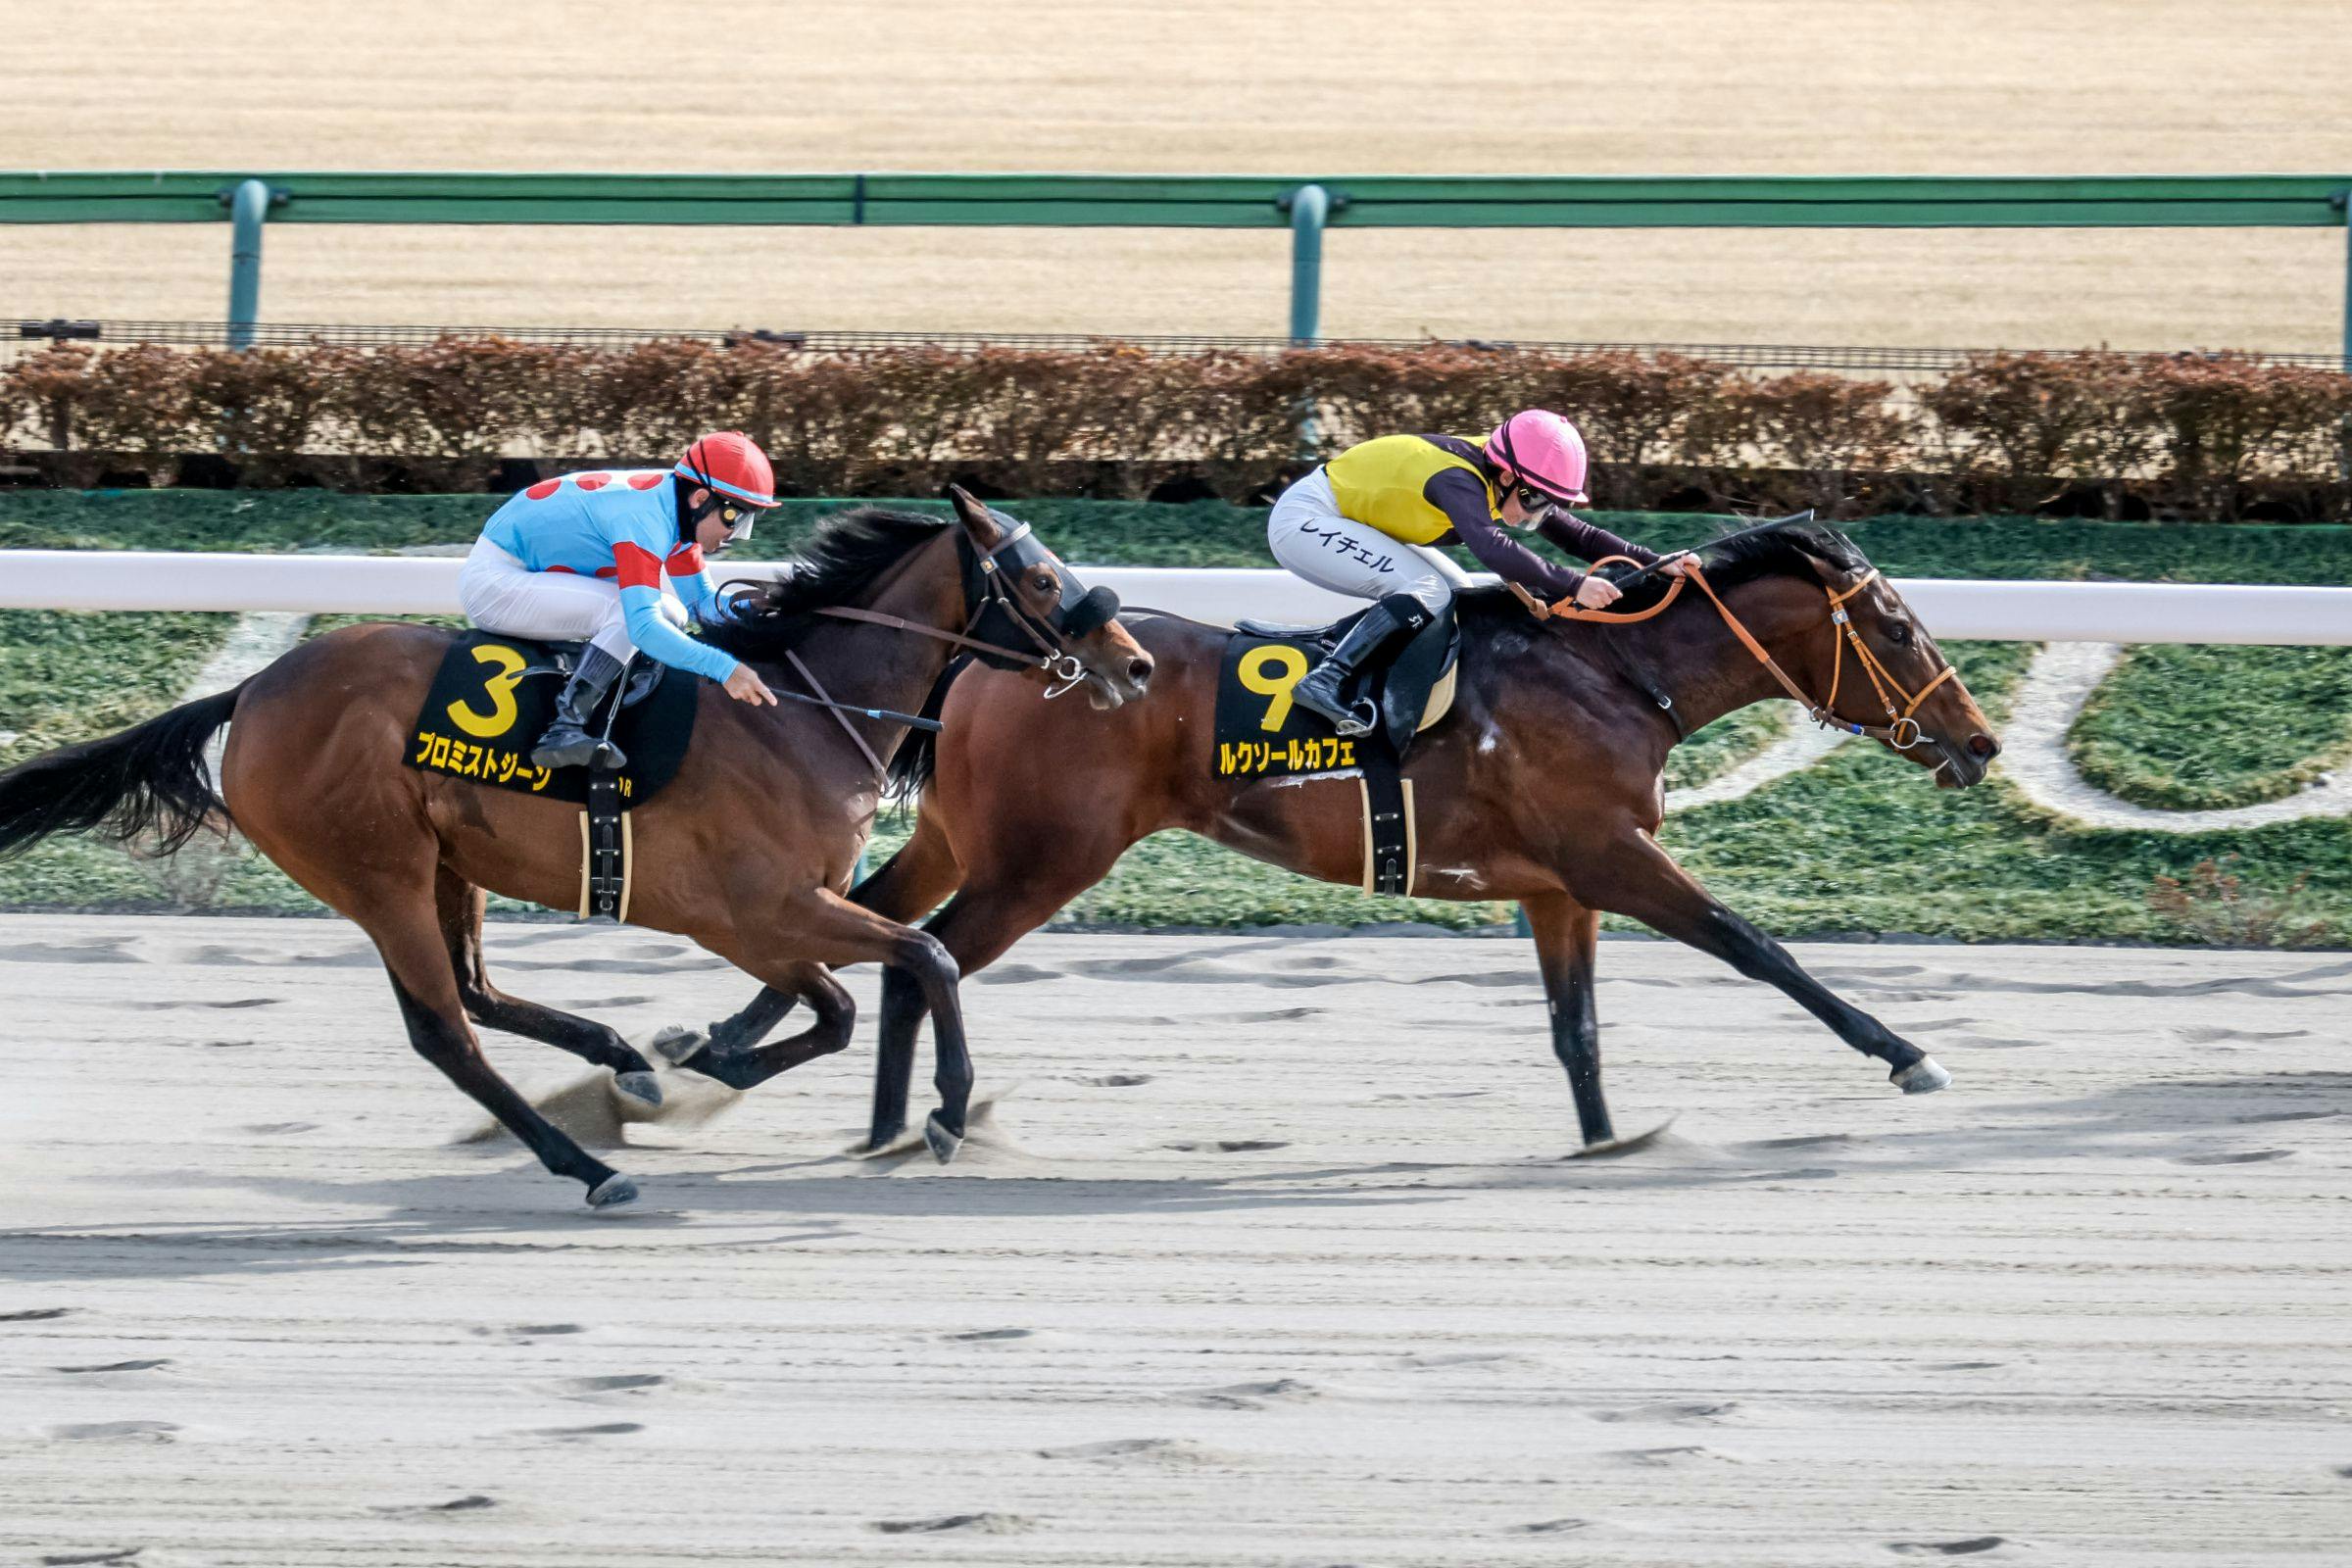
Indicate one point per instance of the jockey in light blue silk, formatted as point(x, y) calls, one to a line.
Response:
point(615, 559)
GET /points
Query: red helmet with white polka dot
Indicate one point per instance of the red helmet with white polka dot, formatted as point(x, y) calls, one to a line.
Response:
point(731, 463)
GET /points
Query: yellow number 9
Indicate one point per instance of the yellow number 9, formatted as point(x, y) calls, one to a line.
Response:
point(499, 688)
point(1276, 684)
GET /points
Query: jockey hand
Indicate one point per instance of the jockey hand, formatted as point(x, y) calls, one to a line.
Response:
point(1596, 592)
point(745, 686)
point(1678, 565)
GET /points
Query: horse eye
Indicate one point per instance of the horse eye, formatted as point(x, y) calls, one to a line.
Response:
point(1900, 633)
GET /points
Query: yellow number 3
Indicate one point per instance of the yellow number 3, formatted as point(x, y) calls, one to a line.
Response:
point(1276, 684)
point(500, 689)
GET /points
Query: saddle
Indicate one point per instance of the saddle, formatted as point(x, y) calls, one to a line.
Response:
point(494, 695)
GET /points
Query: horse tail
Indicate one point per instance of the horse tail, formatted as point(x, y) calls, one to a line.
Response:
point(148, 779)
point(917, 755)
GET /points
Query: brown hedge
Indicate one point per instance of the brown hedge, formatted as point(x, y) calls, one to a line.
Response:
point(2200, 435)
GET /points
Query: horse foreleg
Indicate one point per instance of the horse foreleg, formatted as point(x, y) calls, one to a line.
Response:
point(836, 1014)
point(976, 928)
point(819, 925)
point(1637, 878)
point(457, 903)
point(909, 883)
point(1566, 934)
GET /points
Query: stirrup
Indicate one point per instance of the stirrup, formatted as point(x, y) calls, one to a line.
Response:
point(559, 750)
point(1353, 721)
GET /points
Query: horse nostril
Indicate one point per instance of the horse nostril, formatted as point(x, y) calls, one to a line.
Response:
point(1984, 747)
point(1139, 668)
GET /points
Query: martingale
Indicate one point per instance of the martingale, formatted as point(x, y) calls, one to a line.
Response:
point(493, 696)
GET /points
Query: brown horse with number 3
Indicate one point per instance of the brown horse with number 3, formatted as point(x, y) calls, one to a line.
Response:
point(1545, 781)
point(748, 851)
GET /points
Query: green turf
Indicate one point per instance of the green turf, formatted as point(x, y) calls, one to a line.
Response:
point(2192, 726)
point(1859, 842)
point(1724, 744)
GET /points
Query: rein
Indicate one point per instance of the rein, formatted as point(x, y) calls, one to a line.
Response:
point(1901, 730)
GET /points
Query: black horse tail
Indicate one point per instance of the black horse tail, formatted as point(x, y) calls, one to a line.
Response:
point(148, 779)
point(918, 752)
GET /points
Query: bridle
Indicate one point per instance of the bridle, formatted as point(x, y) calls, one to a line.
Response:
point(994, 611)
point(1901, 730)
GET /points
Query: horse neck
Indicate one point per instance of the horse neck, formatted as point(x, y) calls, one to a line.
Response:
point(1710, 673)
point(891, 667)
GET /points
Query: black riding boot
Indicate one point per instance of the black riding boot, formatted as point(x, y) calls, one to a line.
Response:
point(567, 743)
point(1322, 689)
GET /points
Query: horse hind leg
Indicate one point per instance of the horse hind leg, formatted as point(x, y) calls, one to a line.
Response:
point(457, 903)
point(408, 939)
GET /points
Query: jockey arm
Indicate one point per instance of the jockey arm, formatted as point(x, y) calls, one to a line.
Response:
point(1590, 541)
point(1463, 500)
point(640, 578)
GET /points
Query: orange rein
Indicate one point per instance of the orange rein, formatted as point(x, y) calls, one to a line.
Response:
point(1900, 731)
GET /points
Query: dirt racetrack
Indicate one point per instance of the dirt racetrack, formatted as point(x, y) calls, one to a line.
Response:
point(1553, 87)
point(1269, 1259)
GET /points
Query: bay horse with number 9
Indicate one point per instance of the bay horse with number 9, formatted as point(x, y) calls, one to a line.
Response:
point(748, 851)
point(1546, 778)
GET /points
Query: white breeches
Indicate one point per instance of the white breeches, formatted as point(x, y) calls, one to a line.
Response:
point(500, 594)
point(1309, 535)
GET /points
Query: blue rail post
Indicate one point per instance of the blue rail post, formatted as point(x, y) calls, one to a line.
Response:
point(248, 206)
point(1310, 208)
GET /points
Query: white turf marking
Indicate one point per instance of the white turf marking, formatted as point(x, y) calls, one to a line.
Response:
point(2034, 759)
point(258, 641)
point(2061, 679)
point(1799, 749)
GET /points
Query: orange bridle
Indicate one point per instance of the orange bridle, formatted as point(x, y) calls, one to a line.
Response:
point(1900, 731)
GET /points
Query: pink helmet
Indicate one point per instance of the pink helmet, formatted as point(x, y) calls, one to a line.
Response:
point(1536, 447)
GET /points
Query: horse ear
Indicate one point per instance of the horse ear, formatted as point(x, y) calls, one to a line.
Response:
point(974, 516)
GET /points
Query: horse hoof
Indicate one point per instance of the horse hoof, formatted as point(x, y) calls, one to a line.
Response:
point(944, 1142)
point(677, 1045)
point(642, 1087)
point(1922, 1077)
point(1611, 1148)
point(613, 1191)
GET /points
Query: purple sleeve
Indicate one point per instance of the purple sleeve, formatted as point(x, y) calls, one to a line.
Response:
point(1463, 500)
point(1590, 541)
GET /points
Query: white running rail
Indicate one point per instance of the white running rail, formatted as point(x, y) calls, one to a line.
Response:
point(393, 585)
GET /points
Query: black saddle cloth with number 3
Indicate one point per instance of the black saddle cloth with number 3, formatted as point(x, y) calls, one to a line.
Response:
point(492, 697)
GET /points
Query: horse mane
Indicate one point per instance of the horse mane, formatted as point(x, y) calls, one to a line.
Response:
point(1785, 549)
point(848, 552)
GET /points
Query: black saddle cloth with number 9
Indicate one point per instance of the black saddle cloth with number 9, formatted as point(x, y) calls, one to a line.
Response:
point(492, 697)
point(1262, 733)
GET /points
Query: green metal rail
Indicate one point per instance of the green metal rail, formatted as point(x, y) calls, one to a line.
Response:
point(1305, 205)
